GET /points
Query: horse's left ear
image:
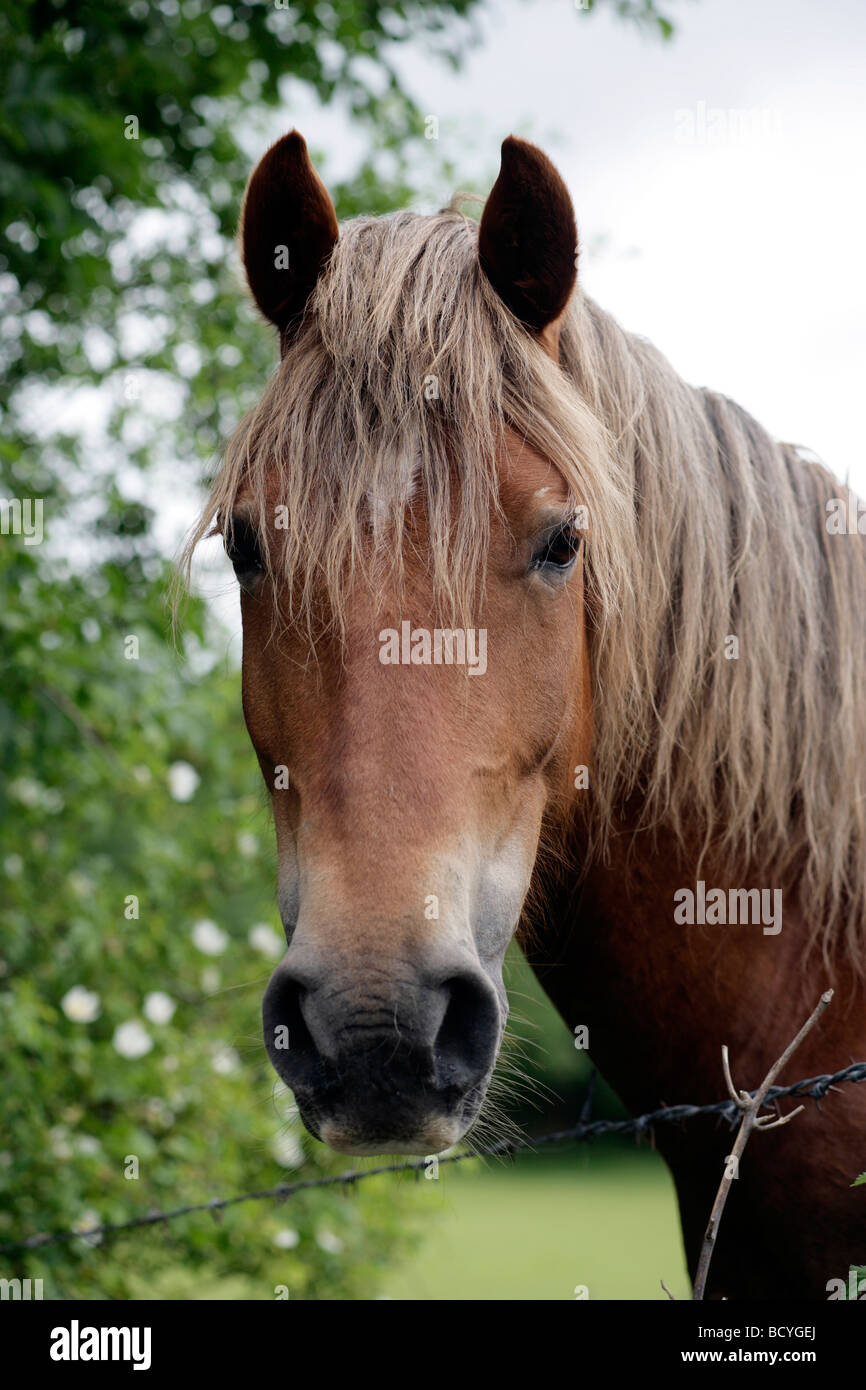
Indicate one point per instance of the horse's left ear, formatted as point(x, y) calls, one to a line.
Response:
point(288, 230)
point(527, 241)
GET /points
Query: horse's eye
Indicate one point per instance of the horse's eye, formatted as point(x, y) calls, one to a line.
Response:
point(558, 551)
point(243, 549)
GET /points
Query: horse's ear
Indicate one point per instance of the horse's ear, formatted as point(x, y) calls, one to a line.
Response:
point(527, 241)
point(288, 230)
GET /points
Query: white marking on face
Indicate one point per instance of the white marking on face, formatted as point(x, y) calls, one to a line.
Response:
point(503, 884)
point(399, 486)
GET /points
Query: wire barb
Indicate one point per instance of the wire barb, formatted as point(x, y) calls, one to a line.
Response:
point(813, 1088)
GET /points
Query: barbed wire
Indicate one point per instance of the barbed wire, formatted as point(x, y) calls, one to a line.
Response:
point(813, 1088)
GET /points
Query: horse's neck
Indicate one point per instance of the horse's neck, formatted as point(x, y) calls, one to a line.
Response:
point(660, 998)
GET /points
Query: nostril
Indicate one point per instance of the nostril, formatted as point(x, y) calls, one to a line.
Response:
point(466, 1042)
point(288, 1039)
point(428, 1044)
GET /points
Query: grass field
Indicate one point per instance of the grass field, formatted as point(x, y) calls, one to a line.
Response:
point(539, 1227)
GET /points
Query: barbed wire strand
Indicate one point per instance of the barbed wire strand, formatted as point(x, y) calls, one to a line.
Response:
point(814, 1088)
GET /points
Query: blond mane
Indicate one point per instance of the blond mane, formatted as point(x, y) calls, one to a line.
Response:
point(404, 374)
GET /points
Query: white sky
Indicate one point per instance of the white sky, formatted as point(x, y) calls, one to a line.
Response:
point(738, 252)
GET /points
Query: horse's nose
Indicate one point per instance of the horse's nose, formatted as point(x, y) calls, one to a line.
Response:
point(369, 1058)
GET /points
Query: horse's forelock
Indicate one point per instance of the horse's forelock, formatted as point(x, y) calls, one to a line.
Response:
point(406, 356)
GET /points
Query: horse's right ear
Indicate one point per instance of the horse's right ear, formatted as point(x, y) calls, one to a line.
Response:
point(288, 230)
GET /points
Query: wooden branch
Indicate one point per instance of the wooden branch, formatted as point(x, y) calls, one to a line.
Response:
point(750, 1106)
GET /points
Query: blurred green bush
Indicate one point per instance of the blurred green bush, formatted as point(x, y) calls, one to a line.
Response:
point(137, 923)
point(137, 920)
point(138, 929)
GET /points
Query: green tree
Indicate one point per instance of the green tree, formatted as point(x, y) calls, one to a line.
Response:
point(138, 930)
point(137, 923)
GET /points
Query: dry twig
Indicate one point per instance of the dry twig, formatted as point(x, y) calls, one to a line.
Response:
point(750, 1106)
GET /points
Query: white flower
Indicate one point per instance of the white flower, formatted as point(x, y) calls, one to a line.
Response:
point(209, 938)
point(80, 1005)
point(225, 1060)
point(210, 979)
point(13, 864)
point(327, 1241)
point(26, 790)
point(248, 844)
point(288, 1150)
point(182, 781)
point(81, 884)
point(86, 1221)
point(159, 1007)
point(58, 1139)
point(88, 1145)
point(158, 1113)
point(263, 938)
point(286, 1239)
point(141, 774)
point(132, 1039)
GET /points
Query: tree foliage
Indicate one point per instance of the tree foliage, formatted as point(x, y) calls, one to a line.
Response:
point(137, 923)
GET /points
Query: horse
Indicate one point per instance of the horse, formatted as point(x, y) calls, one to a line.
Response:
point(655, 777)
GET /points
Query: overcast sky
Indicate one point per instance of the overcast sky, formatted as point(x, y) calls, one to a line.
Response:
point(718, 183)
